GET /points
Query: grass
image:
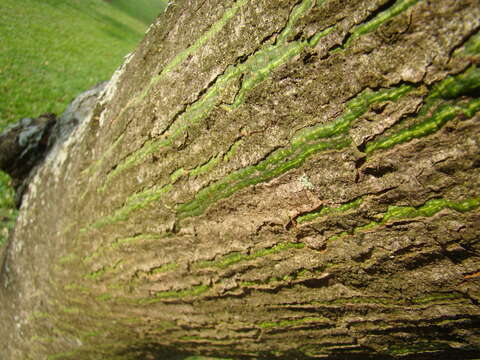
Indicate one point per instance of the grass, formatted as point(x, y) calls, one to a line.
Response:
point(52, 50)
point(8, 213)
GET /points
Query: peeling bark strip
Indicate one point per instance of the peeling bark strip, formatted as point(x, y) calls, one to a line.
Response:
point(283, 179)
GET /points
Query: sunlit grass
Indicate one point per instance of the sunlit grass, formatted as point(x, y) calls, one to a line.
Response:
point(8, 213)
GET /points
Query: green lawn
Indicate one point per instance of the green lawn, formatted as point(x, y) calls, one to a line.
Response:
point(52, 50)
point(8, 213)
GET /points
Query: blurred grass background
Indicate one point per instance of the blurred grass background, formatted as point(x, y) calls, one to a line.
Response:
point(52, 50)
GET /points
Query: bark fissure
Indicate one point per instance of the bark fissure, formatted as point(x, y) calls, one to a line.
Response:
point(393, 214)
point(260, 64)
point(302, 147)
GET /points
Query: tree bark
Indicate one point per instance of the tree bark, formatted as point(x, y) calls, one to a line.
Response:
point(289, 179)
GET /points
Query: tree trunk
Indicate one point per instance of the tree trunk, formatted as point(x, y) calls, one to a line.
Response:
point(287, 179)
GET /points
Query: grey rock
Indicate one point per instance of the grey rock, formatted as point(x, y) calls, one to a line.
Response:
point(77, 112)
point(24, 145)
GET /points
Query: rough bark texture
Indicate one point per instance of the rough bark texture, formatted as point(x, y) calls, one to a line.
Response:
point(264, 179)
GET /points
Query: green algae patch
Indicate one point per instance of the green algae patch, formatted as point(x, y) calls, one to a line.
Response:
point(365, 28)
point(176, 294)
point(472, 46)
point(437, 297)
point(327, 210)
point(302, 274)
point(440, 117)
point(316, 38)
point(42, 339)
point(134, 203)
point(295, 15)
point(122, 241)
point(215, 28)
point(226, 261)
point(165, 325)
point(232, 151)
point(260, 65)
point(164, 268)
point(308, 142)
point(68, 259)
point(451, 87)
point(71, 310)
point(237, 257)
point(253, 71)
point(192, 115)
point(177, 174)
point(104, 297)
point(39, 315)
point(454, 86)
point(354, 109)
point(202, 40)
point(149, 148)
point(417, 348)
point(133, 239)
point(77, 288)
point(277, 164)
point(93, 334)
point(207, 167)
point(94, 275)
point(291, 323)
point(98, 163)
point(429, 209)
